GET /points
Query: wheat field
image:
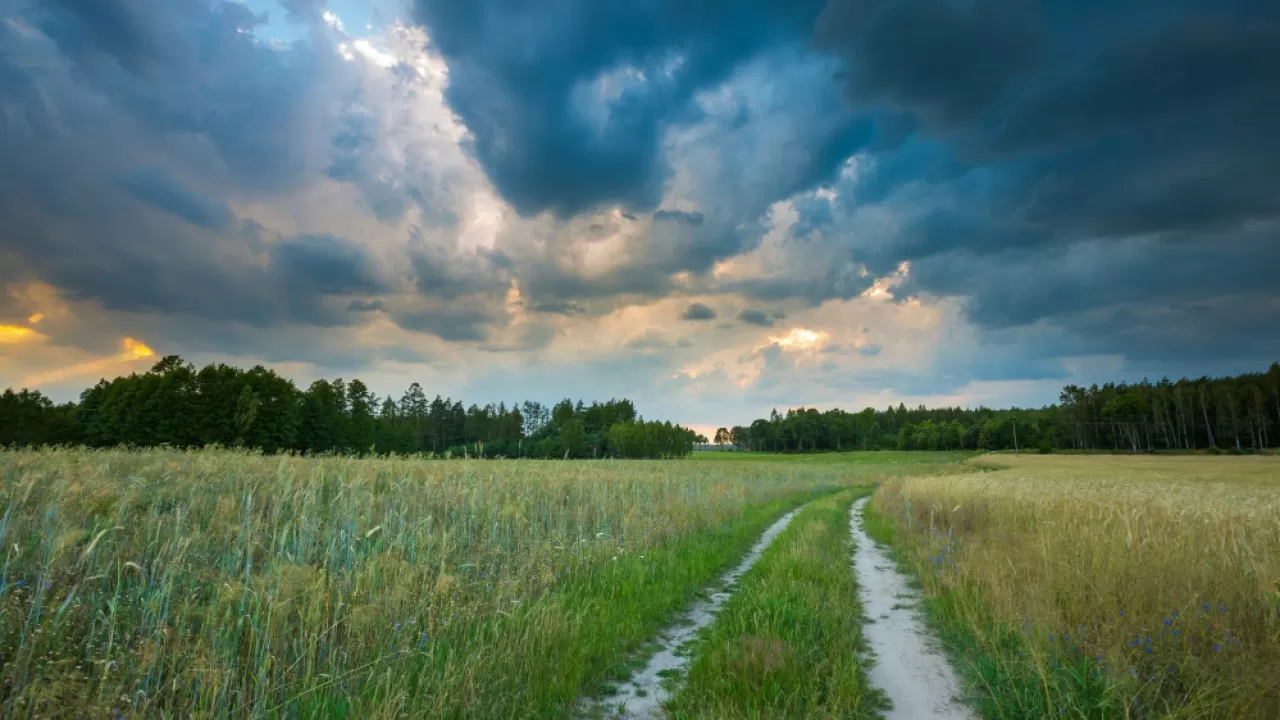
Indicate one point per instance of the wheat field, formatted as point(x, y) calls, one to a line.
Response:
point(1141, 586)
point(221, 583)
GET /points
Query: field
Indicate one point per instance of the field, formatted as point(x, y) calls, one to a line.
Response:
point(1103, 586)
point(225, 583)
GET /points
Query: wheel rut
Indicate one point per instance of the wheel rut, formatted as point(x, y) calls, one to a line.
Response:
point(642, 696)
point(908, 667)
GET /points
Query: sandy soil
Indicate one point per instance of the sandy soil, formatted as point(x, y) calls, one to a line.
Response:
point(642, 696)
point(908, 667)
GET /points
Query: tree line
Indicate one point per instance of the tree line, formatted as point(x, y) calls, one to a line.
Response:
point(1232, 414)
point(177, 405)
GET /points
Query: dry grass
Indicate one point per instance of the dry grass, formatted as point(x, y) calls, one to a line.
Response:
point(1156, 577)
point(221, 583)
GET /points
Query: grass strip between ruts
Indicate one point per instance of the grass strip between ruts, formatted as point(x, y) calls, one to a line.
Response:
point(789, 641)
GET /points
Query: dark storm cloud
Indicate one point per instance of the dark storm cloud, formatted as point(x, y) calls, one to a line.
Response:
point(553, 92)
point(1103, 176)
point(699, 312)
point(89, 30)
point(678, 216)
point(452, 323)
point(756, 317)
point(359, 305)
point(947, 62)
point(558, 307)
point(184, 66)
point(162, 191)
point(181, 86)
point(1069, 161)
point(548, 285)
point(324, 265)
point(187, 86)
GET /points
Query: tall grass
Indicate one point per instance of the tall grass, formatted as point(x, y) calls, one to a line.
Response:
point(1104, 586)
point(788, 643)
point(221, 583)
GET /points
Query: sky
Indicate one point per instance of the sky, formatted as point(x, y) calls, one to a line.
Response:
point(713, 208)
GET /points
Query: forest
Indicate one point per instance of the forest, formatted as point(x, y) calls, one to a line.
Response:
point(1230, 414)
point(177, 405)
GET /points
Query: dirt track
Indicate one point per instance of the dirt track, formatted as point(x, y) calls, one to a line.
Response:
point(908, 667)
point(642, 696)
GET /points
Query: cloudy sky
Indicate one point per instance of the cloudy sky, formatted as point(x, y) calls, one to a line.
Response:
point(713, 207)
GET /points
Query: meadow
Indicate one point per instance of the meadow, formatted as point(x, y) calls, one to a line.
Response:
point(224, 583)
point(1101, 586)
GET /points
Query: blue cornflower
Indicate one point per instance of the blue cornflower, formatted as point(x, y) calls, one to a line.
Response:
point(397, 627)
point(1217, 647)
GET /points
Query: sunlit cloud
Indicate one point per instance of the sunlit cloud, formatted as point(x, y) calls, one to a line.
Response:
point(801, 339)
point(373, 54)
point(35, 318)
point(882, 288)
point(14, 334)
point(332, 21)
point(131, 351)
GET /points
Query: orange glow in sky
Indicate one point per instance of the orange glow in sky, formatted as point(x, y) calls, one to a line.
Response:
point(135, 350)
point(35, 318)
point(13, 334)
point(132, 350)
